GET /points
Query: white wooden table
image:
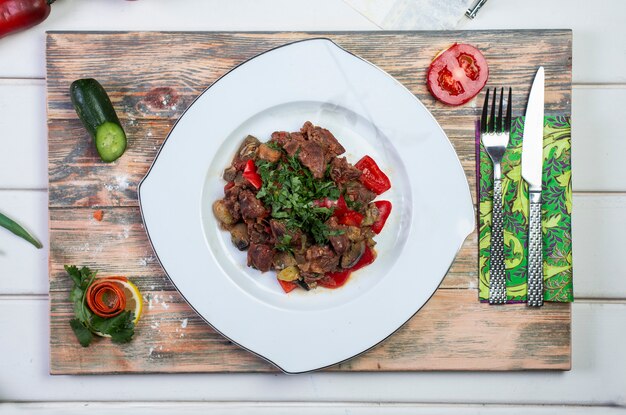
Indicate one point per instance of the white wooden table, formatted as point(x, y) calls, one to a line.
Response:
point(597, 381)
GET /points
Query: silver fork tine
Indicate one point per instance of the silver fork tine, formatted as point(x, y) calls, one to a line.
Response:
point(492, 118)
point(507, 122)
point(483, 118)
point(499, 119)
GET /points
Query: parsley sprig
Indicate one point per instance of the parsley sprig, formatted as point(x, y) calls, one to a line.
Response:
point(290, 190)
point(121, 327)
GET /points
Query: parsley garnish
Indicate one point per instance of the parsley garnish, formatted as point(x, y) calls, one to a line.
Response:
point(354, 205)
point(121, 327)
point(290, 190)
point(284, 243)
point(274, 146)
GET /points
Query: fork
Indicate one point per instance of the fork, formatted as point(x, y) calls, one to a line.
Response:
point(494, 134)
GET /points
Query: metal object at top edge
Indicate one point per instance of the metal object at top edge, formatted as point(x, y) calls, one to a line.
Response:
point(473, 11)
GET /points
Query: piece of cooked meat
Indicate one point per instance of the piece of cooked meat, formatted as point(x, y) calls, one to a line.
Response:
point(312, 156)
point(294, 143)
point(239, 180)
point(279, 230)
point(321, 259)
point(257, 233)
point(324, 138)
point(359, 195)
point(231, 201)
point(339, 242)
point(260, 256)
point(251, 207)
point(280, 138)
point(341, 171)
point(297, 136)
point(311, 277)
point(229, 174)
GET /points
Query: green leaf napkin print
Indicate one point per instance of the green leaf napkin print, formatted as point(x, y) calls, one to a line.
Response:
point(556, 214)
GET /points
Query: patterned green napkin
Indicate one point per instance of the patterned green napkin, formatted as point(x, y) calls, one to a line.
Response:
point(556, 214)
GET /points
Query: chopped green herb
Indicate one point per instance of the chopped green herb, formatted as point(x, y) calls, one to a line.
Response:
point(274, 146)
point(291, 191)
point(354, 205)
point(285, 243)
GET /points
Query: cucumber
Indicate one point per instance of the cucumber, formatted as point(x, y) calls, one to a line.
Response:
point(94, 108)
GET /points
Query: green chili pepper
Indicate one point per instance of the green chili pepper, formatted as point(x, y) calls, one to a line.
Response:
point(14, 227)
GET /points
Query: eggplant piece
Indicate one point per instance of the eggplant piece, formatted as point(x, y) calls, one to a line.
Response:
point(303, 285)
point(229, 174)
point(352, 256)
point(354, 233)
point(311, 277)
point(222, 213)
point(339, 243)
point(284, 260)
point(248, 148)
point(239, 236)
point(368, 233)
point(371, 215)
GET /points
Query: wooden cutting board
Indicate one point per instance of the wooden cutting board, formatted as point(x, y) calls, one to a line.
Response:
point(152, 77)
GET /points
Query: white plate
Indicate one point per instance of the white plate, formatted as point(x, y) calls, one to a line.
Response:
point(370, 113)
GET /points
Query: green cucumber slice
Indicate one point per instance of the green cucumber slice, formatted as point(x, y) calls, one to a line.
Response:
point(110, 141)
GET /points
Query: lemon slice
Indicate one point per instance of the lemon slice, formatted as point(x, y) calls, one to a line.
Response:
point(134, 300)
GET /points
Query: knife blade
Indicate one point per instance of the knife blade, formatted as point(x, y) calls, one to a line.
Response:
point(532, 144)
point(532, 168)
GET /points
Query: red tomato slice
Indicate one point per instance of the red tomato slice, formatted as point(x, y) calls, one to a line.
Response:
point(457, 74)
point(287, 286)
point(372, 176)
point(351, 218)
point(335, 279)
point(384, 210)
point(250, 174)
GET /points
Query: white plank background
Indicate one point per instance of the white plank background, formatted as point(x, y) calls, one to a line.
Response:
point(597, 381)
point(306, 408)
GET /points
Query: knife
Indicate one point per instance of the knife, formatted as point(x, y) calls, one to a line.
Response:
point(532, 167)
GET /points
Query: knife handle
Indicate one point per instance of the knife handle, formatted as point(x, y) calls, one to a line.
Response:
point(535, 257)
point(497, 278)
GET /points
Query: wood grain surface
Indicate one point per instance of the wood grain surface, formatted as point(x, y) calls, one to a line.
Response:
point(152, 77)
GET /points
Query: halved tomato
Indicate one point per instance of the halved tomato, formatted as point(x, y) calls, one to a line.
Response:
point(457, 74)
